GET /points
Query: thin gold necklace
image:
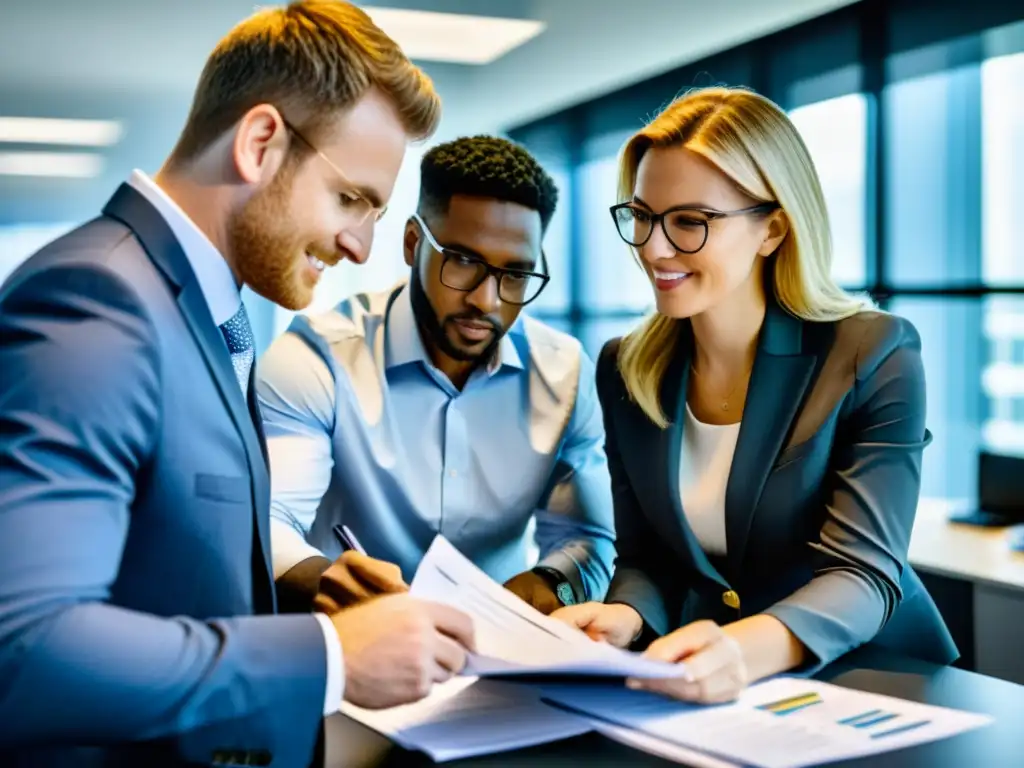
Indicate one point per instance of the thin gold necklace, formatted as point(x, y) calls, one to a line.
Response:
point(728, 397)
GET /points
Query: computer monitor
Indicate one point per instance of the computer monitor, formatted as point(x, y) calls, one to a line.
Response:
point(1000, 492)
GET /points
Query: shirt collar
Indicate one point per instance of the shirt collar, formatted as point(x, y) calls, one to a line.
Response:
point(404, 345)
point(216, 281)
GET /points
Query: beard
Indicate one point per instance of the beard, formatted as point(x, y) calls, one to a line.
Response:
point(436, 330)
point(270, 256)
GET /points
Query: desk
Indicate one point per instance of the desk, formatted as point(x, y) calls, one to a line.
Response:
point(978, 583)
point(999, 745)
point(988, 590)
point(975, 554)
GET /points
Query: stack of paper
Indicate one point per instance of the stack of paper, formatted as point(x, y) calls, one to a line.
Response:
point(785, 722)
point(512, 637)
point(466, 717)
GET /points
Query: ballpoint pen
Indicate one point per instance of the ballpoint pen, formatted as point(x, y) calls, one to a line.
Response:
point(348, 539)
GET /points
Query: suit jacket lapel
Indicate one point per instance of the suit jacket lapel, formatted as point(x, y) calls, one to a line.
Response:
point(673, 398)
point(131, 208)
point(778, 381)
point(256, 415)
point(261, 491)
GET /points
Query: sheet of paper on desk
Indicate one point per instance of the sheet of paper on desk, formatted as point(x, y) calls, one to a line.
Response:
point(667, 750)
point(781, 723)
point(512, 637)
point(466, 717)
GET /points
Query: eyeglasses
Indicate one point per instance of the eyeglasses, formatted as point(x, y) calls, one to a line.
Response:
point(353, 201)
point(686, 228)
point(464, 272)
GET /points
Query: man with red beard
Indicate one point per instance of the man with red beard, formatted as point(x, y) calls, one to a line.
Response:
point(136, 591)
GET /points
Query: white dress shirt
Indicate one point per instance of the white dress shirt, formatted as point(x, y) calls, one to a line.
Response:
point(703, 475)
point(224, 299)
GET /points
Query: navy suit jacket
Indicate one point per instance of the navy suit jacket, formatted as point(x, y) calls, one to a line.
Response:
point(820, 500)
point(135, 580)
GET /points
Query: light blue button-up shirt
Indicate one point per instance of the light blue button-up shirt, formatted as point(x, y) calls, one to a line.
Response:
point(363, 430)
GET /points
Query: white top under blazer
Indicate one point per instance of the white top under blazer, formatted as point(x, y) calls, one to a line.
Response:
point(703, 475)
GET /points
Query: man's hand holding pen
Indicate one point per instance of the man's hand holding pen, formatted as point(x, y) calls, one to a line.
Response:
point(355, 577)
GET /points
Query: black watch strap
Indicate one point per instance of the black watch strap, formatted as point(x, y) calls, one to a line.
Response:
point(560, 585)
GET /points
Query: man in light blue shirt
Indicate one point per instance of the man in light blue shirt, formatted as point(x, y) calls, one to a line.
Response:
point(436, 407)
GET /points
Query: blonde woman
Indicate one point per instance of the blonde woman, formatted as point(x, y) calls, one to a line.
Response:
point(764, 429)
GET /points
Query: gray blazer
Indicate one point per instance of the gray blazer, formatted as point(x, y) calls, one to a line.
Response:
point(134, 521)
point(820, 501)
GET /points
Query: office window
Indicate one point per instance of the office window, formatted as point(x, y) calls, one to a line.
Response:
point(835, 132)
point(611, 279)
point(599, 330)
point(1003, 375)
point(964, 363)
point(555, 297)
point(1002, 100)
point(932, 192)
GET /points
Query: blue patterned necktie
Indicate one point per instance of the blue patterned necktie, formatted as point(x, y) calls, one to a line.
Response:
point(238, 335)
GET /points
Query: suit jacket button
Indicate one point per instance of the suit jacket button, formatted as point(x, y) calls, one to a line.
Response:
point(731, 599)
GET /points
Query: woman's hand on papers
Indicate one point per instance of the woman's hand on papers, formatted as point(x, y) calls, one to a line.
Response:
point(396, 648)
point(615, 623)
point(354, 578)
point(713, 659)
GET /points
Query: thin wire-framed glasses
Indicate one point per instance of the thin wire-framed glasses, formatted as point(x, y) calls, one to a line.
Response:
point(465, 272)
point(685, 227)
point(353, 201)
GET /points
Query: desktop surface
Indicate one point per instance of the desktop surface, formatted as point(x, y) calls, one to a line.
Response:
point(995, 746)
point(983, 557)
point(967, 552)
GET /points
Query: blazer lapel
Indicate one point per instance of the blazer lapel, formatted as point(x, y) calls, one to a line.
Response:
point(778, 381)
point(261, 492)
point(673, 398)
point(131, 208)
point(256, 415)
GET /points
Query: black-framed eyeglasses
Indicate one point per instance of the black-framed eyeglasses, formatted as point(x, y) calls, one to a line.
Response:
point(466, 272)
point(352, 200)
point(685, 227)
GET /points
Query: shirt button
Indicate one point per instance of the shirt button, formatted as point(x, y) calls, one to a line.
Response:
point(452, 473)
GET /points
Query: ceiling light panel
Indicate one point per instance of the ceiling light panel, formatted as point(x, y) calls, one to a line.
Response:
point(453, 37)
point(77, 165)
point(48, 130)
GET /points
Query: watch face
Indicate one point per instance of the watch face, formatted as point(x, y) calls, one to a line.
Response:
point(564, 593)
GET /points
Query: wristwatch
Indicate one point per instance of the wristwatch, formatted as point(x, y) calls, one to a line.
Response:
point(559, 584)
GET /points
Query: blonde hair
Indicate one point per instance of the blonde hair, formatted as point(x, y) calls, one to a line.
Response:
point(752, 141)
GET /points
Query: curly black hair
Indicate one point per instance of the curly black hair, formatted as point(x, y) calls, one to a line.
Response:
point(485, 166)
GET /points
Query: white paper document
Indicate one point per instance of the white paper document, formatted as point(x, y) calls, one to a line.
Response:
point(784, 722)
point(652, 745)
point(466, 717)
point(513, 638)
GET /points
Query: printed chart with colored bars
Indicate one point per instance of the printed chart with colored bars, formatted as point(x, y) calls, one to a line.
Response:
point(789, 722)
point(874, 723)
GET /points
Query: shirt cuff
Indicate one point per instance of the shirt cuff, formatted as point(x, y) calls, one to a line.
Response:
point(335, 666)
point(288, 547)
